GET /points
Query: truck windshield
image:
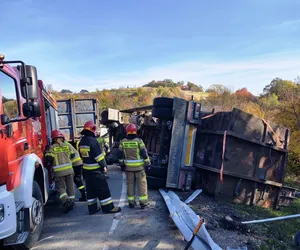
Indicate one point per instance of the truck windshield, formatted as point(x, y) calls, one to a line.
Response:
point(9, 97)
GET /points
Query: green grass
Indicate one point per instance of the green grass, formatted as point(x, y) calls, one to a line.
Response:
point(197, 95)
point(277, 235)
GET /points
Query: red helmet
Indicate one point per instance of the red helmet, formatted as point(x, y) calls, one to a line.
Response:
point(90, 125)
point(131, 129)
point(57, 134)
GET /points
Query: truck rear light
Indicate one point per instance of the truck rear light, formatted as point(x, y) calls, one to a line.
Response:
point(1, 213)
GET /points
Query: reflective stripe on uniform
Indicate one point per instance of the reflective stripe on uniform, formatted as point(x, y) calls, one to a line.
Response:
point(91, 166)
point(72, 197)
point(143, 198)
point(62, 167)
point(99, 157)
point(106, 201)
point(81, 187)
point(130, 198)
point(63, 195)
point(130, 144)
point(134, 163)
point(61, 149)
point(84, 151)
point(76, 159)
point(92, 201)
point(49, 154)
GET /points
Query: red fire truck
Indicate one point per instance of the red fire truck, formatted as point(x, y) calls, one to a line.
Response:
point(28, 113)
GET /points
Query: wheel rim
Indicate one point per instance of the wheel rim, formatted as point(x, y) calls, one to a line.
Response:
point(36, 212)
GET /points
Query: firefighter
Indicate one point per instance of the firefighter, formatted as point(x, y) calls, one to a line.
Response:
point(104, 146)
point(77, 167)
point(103, 143)
point(94, 166)
point(133, 157)
point(60, 156)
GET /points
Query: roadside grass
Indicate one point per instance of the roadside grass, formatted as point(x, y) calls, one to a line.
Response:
point(197, 95)
point(277, 235)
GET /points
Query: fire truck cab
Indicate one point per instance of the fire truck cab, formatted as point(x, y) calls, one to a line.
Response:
point(28, 113)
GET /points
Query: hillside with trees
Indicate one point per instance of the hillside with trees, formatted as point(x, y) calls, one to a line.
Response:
point(279, 102)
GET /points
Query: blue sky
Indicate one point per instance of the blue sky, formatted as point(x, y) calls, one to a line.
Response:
point(106, 44)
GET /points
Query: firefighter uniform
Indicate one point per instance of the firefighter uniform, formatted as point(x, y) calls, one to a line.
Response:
point(77, 167)
point(105, 149)
point(94, 166)
point(60, 156)
point(104, 145)
point(133, 155)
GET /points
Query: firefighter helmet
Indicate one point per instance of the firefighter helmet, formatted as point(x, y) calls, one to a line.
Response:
point(90, 125)
point(131, 129)
point(57, 134)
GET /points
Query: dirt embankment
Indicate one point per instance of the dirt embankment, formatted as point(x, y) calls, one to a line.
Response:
point(223, 224)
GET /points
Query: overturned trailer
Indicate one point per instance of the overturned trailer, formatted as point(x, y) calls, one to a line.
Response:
point(233, 156)
point(242, 158)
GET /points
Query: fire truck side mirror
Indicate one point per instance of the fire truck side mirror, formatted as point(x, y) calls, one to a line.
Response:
point(32, 109)
point(31, 82)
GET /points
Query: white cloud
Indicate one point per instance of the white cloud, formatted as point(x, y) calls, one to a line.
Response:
point(253, 73)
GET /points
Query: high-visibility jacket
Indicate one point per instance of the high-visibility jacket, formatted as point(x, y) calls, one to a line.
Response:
point(91, 153)
point(104, 145)
point(133, 153)
point(60, 156)
point(76, 161)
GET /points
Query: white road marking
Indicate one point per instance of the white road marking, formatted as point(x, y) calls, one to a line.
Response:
point(121, 204)
point(47, 238)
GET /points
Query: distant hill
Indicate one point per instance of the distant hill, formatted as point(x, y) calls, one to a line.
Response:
point(124, 98)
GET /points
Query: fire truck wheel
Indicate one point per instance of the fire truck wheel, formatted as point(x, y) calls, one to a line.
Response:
point(36, 215)
point(163, 102)
point(157, 171)
point(155, 182)
point(162, 113)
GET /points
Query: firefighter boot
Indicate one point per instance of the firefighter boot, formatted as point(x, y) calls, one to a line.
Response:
point(83, 195)
point(143, 205)
point(114, 210)
point(67, 206)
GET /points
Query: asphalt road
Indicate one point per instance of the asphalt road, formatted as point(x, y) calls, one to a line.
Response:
point(77, 229)
point(131, 229)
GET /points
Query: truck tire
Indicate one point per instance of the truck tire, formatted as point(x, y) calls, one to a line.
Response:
point(163, 102)
point(36, 224)
point(104, 117)
point(162, 113)
point(157, 171)
point(155, 182)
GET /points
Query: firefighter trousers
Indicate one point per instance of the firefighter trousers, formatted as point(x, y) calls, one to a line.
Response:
point(97, 188)
point(65, 186)
point(139, 178)
point(78, 177)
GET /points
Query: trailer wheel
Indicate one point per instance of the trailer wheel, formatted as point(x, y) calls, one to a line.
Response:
point(155, 182)
point(163, 102)
point(157, 171)
point(104, 117)
point(162, 113)
point(36, 215)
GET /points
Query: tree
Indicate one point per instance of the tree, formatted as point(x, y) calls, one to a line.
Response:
point(218, 89)
point(84, 91)
point(278, 87)
point(49, 87)
point(66, 91)
point(244, 94)
point(194, 87)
